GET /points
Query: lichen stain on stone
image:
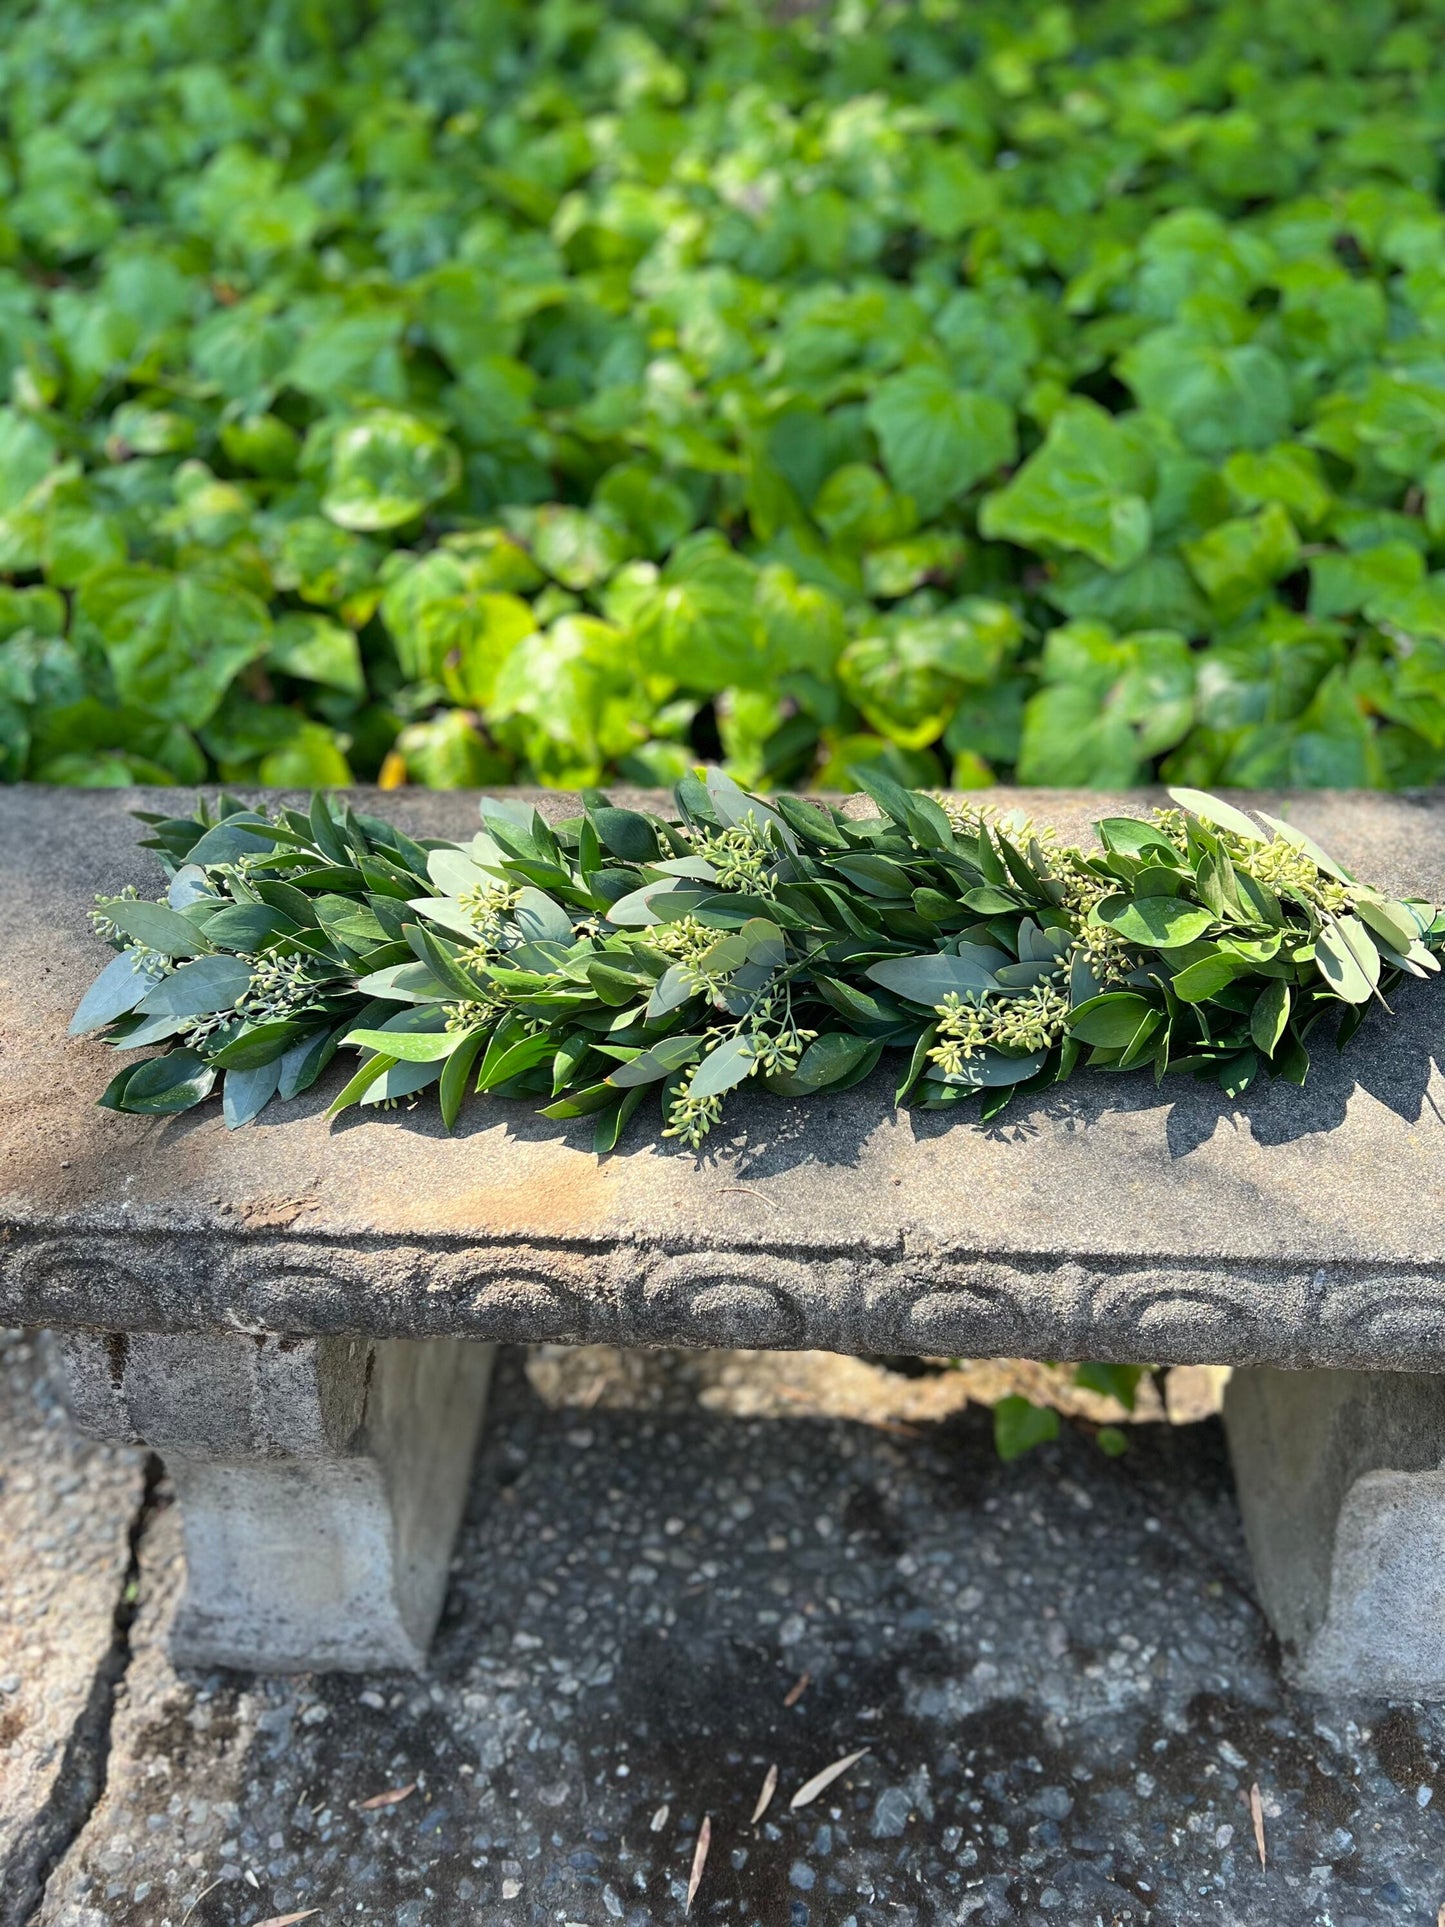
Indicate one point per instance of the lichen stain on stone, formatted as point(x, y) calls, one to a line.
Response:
point(566, 1192)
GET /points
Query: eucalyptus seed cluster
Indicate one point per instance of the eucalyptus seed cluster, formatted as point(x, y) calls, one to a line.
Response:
point(212, 1028)
point(488, 905)
point(1105, 952)
point(691, 1118)
point(147, 962)
point(685, 940)
point(105, 925)
point(478, 1013)
point(1032, 1021)
point(1279, 864)
point(1082, 886)
point(743, 856)
point(1283, 866)
point(279, 987)
point(967, 818)
point(776, 1045)
point(1175, 825)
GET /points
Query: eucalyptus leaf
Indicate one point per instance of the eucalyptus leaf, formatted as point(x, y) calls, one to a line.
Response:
point(1392, 921)
point(256, 1044)
point(1200, 980)
point(125, 980)
point(1221, 815)
point(672, 989)
point(247, 926)
point(163, 1086)
point(299, 1067)
point(197, 989)
point(1347, 960)
point(991, 1068)
point(540, 919)
point(1161, 923)
point(824, 1062)
point(1269, 1017)
point(625, 834)
point(928, 980)
point(723, 1067)
point(190, 884)
point(245, 1094)
point(401, 1080)
point(657, 1062)
point(1109, 1021)
point(453, 871)
point(408, 1047)
point(156, 925)
point(651, 903)
point(1084, 983)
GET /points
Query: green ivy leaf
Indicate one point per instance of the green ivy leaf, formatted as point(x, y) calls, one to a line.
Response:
point(1019, 1426)
point(386, 469)
point(175, 641)
point(1119, 1382)
point(1083, 489)
point(938, 439)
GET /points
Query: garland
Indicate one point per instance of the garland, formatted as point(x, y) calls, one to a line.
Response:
point(589, 962)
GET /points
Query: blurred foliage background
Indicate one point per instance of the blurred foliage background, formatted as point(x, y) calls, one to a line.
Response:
point(458, 391)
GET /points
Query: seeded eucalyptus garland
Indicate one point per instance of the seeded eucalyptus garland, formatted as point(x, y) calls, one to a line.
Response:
point(586, 963)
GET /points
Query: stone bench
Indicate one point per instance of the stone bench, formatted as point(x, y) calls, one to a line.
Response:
point(300, 1317)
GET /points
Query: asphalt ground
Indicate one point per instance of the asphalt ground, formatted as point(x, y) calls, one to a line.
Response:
point(677, 1574)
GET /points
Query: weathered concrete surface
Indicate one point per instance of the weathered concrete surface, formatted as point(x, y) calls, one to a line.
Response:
point(1104, 1220)
point(1065, 1686)
point(66, 1511)
point(1341, 1479)
point(321, 1482)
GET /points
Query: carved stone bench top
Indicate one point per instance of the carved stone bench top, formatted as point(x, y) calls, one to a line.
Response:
point(1100, 1220)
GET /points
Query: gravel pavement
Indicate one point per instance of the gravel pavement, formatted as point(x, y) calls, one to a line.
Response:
point(679, 1574)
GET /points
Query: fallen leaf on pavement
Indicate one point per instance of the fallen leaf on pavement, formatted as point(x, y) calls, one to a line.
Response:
point(796, 1692)
point(765, 1798)
point(699, 1861)
point(288, 1920)
point(1256, 1813)
point(820, 1782)
point(393, 1797)
point(199, 1898)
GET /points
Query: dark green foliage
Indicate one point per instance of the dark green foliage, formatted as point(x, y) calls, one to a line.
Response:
point(781, 944)
point(468, 390)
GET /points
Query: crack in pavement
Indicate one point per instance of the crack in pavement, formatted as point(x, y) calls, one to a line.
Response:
point(81, 1780)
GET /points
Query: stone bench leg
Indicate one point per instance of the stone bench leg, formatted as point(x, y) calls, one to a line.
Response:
point(1341, 1479)
point(321, 1482)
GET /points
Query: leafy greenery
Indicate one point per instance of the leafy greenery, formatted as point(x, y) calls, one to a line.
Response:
point(1019, 1425)
point(586, 963)
point(455, 390)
